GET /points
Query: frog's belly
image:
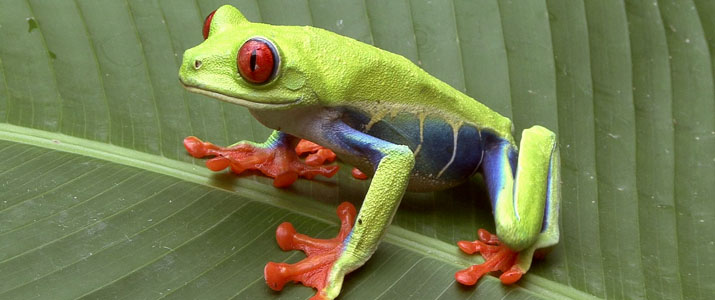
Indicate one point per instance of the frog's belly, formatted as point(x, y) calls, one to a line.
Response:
point(444, 155)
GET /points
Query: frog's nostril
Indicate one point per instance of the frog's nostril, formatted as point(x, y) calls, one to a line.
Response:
point(197, 64)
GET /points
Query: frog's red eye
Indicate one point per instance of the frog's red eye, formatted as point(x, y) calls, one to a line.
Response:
point(257, 60)
point(207, 24)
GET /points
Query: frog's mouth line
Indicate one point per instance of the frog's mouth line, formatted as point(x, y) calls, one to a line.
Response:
point(243, 102)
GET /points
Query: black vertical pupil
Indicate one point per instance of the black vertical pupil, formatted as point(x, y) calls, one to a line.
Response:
point(253, 60)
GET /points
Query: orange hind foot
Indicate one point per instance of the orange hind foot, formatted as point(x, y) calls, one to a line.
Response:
point(497, 256)
point(321, 254)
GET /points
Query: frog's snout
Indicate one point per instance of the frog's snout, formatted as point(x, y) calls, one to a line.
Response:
point(190, 65)
point(196, 62)
point(190, 60)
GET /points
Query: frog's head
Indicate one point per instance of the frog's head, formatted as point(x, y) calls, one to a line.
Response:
point(241, 62)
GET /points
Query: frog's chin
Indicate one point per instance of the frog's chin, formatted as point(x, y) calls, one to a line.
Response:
point(243, 102)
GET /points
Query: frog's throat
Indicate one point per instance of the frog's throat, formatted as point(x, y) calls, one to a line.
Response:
point(243, 102)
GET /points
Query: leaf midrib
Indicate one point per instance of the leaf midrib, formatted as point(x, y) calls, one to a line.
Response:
point(256, 191)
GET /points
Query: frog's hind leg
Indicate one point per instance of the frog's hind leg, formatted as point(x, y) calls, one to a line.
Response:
point(277, 157)
point(525, 197)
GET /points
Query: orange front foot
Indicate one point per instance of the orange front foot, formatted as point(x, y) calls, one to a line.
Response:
point(498, 258)
point(277, 161)
point(317, 154)
point(313, 270)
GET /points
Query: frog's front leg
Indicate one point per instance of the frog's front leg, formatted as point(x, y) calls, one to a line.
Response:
point(525, 205)
point(276, 158)
point(329, 261)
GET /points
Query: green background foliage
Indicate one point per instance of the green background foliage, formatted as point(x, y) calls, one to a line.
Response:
point(98, 198)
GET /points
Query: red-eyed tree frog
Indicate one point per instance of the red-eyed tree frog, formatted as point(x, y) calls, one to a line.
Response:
point(383, 114)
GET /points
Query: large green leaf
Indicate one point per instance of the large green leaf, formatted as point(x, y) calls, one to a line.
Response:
point(99, 199)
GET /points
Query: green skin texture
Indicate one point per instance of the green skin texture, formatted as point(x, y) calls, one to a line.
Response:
point(320, 70)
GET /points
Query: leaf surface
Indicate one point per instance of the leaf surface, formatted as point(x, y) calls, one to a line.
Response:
point(98, 198)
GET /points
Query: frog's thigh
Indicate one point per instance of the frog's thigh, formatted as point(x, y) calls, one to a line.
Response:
point(525, 192)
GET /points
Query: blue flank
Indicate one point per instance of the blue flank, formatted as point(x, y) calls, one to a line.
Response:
point(437, 143)
point(470, 148)
point(437, 151)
